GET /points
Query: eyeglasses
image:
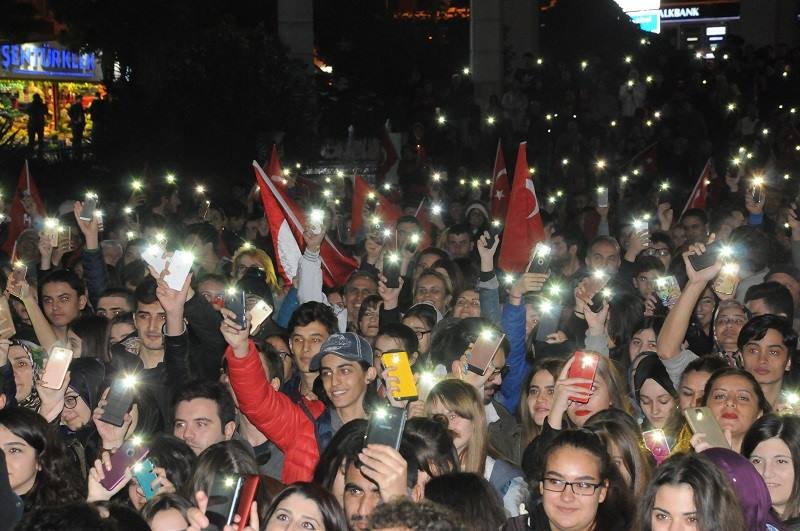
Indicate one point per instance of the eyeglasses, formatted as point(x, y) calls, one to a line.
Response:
point(730, 321)
point(70, 401)
point(656, 252)
point(580, 488)
point(502, 372)
point(421, 333)
point(283, 354)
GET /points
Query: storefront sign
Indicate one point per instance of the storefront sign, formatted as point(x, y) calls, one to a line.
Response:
point(647, 20)
point(638, 5)
point(48, 60)
point(700, 11)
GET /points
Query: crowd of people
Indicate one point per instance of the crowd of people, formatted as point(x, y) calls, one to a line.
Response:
point(182, 386)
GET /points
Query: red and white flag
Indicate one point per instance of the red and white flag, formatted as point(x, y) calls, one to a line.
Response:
point(390, 142)
point(273, 167)
point(388, 211)
point(286, 221)
point(19, 218)
point(523, 224)
point(500, 187)
point(697, 199)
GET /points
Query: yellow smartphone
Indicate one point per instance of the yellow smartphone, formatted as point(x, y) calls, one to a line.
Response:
point(727, 280)
point(399, 367)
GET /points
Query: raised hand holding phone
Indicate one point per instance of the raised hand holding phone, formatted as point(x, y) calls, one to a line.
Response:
point(236, 336)
point(97, 477)
point(567, 387)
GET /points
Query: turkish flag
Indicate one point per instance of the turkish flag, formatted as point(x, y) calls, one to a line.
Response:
point(273, 167)
point(523, 225)
point(388, 211)
point(697, 199)
point(19, 218)
point(500, 188)
point(286, 221)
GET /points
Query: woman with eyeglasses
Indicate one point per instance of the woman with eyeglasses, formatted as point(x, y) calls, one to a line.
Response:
point(729, 318)
point(580, 488)
point(421, 318)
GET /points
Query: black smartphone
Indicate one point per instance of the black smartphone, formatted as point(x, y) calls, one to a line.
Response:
point(549, 317)
point(89, 206)
point(707, 259)
point(540, 261)
point(235, 302)
point(412, 242)
point(391, 270)
point(602, 295)
point(223, 498)
point(119, 400)
point(494, 230)
point(386, 426)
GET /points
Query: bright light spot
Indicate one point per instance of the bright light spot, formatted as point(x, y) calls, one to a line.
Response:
point(730, 269)
point(731, 107)
point(490, 120)
point(381, 413)
point(628, 59)
point(539, 61)
point(465, 71)
point(317, 216)
point(564, 162)
point(648, 80)
point(441, 119)
point(664, 186)
point(170, 178)
point(600, 164)
point(584, 65)
point(129, 381)
point(613, 123)
point(436, 177)
point(623, 179)
point(200, 189)
point(339, 173)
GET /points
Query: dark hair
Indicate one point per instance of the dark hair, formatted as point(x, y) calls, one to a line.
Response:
point(121, 318)
point(615, 427)
point(625, 311)
point(551, 365)
point(697, 213)
point(763, 404)
point(333, 517)
point(273, 360)
point(572, 238)
point(370, 302)
point(119, 292)
point(204, 231)
point(469, 495)
point(662, 237)
point(123, 517)
point(57, 482)
point(617, 507)
point(424, 312)
point(433, 445)
point(454, 274)
point(709, 364)
point(133, 273)
point(66, 276)
point(146, 291)
point(174, 456)
point(460, 228)
point(441, 253)
point(403, 334)
point(360, 273)
point(344, 447)
point(645, 263)
point(93, 331)
point(776, 297)
point(309, 312)
point(756, 328)
point(418, 516)
point(214, 391)
point(408, 219)
point(77, 515)
point(449, 342)
point(787, 429)
point(716, 505)
point(164, 502)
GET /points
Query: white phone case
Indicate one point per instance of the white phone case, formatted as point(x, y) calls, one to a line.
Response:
point(179, 264)
point(154, 256)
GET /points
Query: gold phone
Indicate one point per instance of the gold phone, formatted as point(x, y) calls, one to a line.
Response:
point(260, 312)
point(702, 420)
point(399, 367)
point(727, 280)
point(18, 275)
point(56, 368)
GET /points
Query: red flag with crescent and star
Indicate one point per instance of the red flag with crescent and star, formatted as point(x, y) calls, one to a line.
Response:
point(500, 187)
point(523, 224)
point(697, 199)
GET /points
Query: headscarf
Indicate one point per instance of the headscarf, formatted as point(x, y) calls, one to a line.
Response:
point(86, 377)
point(749, 486)
point(35, 356)
point(651, 368)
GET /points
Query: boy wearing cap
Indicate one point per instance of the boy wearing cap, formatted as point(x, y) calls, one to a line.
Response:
point(345, 365)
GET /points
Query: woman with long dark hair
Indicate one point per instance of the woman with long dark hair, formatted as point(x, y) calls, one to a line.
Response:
point(38, 468)
point(305, 506)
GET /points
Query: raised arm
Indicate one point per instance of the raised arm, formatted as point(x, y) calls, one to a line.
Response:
point(488, 285)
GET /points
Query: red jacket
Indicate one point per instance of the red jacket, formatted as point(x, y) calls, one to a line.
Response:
point(275, 415)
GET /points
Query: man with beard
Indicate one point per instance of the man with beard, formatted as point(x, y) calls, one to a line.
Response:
point(567, 247)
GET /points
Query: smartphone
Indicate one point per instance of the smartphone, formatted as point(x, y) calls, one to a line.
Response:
point(584, 365)
point(755, 193)
point(668, 290)
point(602, 197)
point(179, 266)
point(56, 369)
point(223, 497)
point(540, 259)
point(18, 275)
point(549, 317)
point(154, 257)
point(705, 260)
point(656, 442)
point(145, 474)
point(412, 242)
point(386, 426)
point(235, 302)
point(246, 497)
point(51, 230)
point(727, 280)
point(397, 363)
point(130, 453)
point(701, 420)
point(7, 328)
point(391, 270)
point(494, 231)
point(119, 400)
point(596, 302)
point(316, 219)
point(89, 206)
point(483, 351)
point(260, 312)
